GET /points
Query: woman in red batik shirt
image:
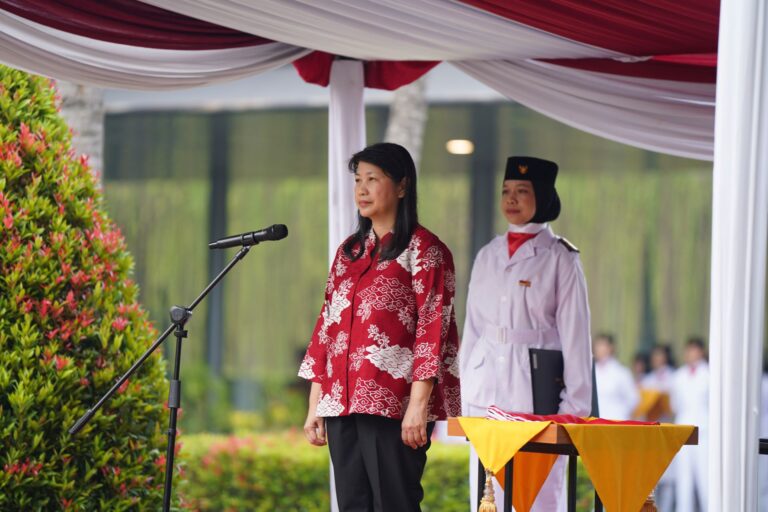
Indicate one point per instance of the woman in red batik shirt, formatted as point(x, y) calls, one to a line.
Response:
point(383, 355)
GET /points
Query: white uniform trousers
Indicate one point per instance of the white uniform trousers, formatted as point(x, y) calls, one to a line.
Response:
point(552, 496)
point(691, 481)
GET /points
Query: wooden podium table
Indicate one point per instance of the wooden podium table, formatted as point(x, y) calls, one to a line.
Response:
point(553, 439)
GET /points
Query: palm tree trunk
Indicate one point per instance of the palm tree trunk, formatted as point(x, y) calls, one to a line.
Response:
point(408, 117)
point(83, 109)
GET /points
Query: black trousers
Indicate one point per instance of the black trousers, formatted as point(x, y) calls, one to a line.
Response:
point(374, 470)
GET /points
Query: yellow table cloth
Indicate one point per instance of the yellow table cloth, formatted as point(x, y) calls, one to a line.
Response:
point(654, 405)
point(623, 461)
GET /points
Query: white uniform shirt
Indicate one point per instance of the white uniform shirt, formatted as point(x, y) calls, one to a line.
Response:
point(659, 379)
point(617, 394)
point(690, 397)
point(535, 299)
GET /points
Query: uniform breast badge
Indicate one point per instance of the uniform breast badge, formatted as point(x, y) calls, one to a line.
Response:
point(525, 283)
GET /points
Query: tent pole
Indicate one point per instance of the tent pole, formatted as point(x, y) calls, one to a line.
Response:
point(346, 135)
point(739, 228)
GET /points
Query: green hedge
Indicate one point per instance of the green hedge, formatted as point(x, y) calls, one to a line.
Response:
point(270, 472)
point(282, 472)
point(70, 324)
point(256, 472)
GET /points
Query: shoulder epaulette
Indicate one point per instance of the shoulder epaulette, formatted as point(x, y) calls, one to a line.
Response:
point(568, 245)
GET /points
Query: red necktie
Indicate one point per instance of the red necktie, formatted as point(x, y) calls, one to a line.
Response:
point(515, 240)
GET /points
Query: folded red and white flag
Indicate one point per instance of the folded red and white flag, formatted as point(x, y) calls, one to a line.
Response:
point(496, 413)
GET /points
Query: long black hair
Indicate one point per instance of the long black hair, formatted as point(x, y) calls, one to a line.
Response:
point(398, 165)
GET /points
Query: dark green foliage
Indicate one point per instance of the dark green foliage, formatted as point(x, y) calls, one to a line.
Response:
point(70, 324)
point(282, 472)
point(446, 478)
point(255, 473)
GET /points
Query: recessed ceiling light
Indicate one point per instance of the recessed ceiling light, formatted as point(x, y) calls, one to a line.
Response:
point(460, 147)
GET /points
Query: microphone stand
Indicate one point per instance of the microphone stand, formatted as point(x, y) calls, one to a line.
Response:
point(179, 317)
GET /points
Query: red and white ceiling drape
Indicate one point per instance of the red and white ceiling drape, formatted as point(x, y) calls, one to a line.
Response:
point(100, 44)
point(642, 72)
point(639, 73)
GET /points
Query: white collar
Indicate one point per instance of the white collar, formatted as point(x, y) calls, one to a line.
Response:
point(530, 228)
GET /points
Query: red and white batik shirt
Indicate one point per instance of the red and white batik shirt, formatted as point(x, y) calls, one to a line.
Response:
point(386, 324)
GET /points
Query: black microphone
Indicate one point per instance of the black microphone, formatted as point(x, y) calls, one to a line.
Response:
point(276, 232)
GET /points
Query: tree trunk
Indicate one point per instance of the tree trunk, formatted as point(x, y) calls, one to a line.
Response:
point(83, 109)
point(408, 117)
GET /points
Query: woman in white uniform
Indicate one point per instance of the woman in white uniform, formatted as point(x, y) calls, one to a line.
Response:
point(527, 290)
point(690, 403)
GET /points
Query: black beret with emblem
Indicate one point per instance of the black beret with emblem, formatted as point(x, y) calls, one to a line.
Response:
point(542, 174)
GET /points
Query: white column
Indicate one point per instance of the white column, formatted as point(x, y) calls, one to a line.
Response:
point(346, 135)
point(739, 226)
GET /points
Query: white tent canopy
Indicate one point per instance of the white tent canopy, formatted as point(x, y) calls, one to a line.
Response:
point(640, 73)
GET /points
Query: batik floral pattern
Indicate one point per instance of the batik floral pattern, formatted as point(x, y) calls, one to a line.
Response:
point(340, 267)
point(372, 398)
point(306, 371)
point(450, 281)
point(330, 404)
point(409, 259)
point(427, 364)
point(356, 358)
point(332, 311)
point(383, 325)
point(393, 359)
point(429, 312)
point(388, 294)
point(335, 348)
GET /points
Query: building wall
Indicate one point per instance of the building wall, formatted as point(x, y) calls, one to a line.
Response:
point(642, 221)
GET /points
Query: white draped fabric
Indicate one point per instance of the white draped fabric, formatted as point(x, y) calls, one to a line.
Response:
point(739, 229)
point(666, 116)
point(660, 115)
point(392, 30)
point(671, 117)
point(346, 135)
point(43, 50)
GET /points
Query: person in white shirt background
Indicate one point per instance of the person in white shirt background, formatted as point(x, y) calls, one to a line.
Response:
point(617, 393)
point(640, 367)
point(660, 379)
point(690, 404)
point(527, 290)
point(662, 370)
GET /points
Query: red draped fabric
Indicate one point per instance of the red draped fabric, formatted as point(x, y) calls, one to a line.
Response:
point(130, 22)
point(135, 23)
point(678, 40)
point(617, 68)
point(635, 27)
point(701, 59)
point(497, 413)
point(315, 68)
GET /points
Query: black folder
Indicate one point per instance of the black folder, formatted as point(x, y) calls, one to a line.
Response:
point(546, 379)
